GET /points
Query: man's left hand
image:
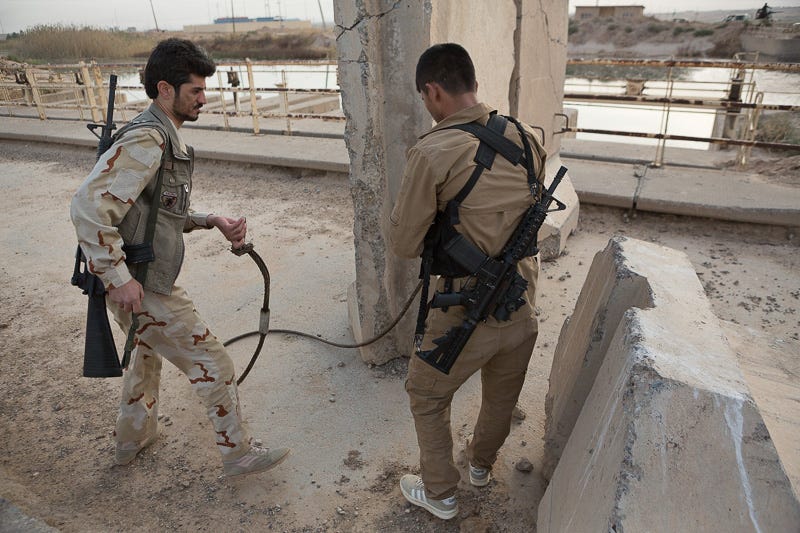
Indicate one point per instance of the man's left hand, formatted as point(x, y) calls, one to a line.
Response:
point(234, 229)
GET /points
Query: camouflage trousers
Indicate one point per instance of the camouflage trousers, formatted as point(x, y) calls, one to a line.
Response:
point(169, 327)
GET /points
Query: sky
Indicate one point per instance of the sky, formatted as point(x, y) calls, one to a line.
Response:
point(16, 15)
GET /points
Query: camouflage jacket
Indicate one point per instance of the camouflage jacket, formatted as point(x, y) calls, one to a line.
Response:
point(111, 207)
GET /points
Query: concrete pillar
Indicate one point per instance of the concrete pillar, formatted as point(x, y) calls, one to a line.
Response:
point(667, 437)
point(536, 94)
point(379, 42)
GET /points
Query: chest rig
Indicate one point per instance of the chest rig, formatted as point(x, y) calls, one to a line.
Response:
point(152, 230)
point(448, 253)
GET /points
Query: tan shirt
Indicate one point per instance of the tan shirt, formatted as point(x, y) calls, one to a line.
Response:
point(106, 196)
point(438, 167)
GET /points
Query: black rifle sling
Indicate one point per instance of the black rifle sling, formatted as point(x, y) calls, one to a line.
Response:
point(533, 183)
point(492, 142)
point(149, 233)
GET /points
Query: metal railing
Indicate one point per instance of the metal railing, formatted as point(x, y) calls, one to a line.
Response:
point(244, 95)
point(737, 103)
point(254, 90)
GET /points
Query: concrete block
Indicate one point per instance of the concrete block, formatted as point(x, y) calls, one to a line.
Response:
point(668, 437)
point(610, 289)
point(771, 367)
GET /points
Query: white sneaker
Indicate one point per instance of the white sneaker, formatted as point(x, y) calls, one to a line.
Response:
point(413, 489)
point(258, 459)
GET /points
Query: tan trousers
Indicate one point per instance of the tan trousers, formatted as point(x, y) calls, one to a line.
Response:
point(170, 327)
point(502, 355)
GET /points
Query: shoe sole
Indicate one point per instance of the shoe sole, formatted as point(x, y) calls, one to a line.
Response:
point(265, 469)
point(478, 482)
point(438, 513)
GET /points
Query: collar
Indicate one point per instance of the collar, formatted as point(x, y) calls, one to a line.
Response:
point(172, 131)
point(465, 116)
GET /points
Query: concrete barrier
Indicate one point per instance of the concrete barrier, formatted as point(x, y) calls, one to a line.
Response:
point(771, 367)
point(609, 291)
point(667, 436)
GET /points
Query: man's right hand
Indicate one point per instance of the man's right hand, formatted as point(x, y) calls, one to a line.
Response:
point(128, 297)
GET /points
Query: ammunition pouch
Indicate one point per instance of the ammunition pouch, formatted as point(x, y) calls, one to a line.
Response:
point(439, 238)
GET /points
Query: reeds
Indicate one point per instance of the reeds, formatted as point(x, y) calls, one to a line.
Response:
point(54, 43)
point(70, 43)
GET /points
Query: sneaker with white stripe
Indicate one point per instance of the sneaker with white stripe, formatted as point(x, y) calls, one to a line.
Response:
point(413, 489)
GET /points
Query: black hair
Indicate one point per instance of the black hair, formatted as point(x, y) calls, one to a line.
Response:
point(174, 60)
point(449, 65)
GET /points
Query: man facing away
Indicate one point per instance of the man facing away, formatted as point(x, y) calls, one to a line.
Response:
point(149, 167)
point(438, 167)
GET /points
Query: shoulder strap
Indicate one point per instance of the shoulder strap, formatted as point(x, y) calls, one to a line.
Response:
point(150, 229)
point(533, 183)
point(492, 142)
point(134, 125)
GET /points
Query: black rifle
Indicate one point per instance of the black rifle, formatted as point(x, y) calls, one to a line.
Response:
point(100, 358)
point(499, 287)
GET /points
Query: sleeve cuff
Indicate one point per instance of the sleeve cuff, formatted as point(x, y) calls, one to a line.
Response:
point(196, 221)
point(116, 277)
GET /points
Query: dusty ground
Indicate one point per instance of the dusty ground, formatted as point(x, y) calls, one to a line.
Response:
point(348, 425)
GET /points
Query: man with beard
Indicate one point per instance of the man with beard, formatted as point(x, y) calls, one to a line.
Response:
point(150, 167)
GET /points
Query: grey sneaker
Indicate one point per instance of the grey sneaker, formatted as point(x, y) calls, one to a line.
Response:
point(127, 451)
point(479, 477)
point(258, 459)
point(413, 489)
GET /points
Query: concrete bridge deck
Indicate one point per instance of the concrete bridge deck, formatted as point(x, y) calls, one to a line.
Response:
point(603, 173)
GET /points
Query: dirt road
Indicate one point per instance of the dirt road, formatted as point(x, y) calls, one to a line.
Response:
point(348, 425)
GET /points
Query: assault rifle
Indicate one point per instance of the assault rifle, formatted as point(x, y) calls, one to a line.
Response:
point(100, 358)
point(498, 288)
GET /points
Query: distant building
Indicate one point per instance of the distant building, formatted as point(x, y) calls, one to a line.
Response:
point(616, 12)
point(246, 24)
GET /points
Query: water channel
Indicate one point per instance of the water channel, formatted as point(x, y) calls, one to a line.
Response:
point(709, 83)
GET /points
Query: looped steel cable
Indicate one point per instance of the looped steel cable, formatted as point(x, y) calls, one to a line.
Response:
point(264, 330)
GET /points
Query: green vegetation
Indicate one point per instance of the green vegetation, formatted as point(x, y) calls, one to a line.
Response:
point(573, 27)
point(57, 43)
point(779, 127)
point(69, 43)
point(686, 39)
point(254, 45)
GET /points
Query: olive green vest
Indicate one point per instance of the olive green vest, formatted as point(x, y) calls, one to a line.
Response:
point(172, 201)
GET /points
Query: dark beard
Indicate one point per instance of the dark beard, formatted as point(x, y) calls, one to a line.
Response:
point(183, 116)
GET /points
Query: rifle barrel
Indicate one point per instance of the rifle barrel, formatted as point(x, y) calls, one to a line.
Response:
point(112, 90)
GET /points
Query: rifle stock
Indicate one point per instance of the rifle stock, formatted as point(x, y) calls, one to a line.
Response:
point(499, 286)
point(100, 357)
